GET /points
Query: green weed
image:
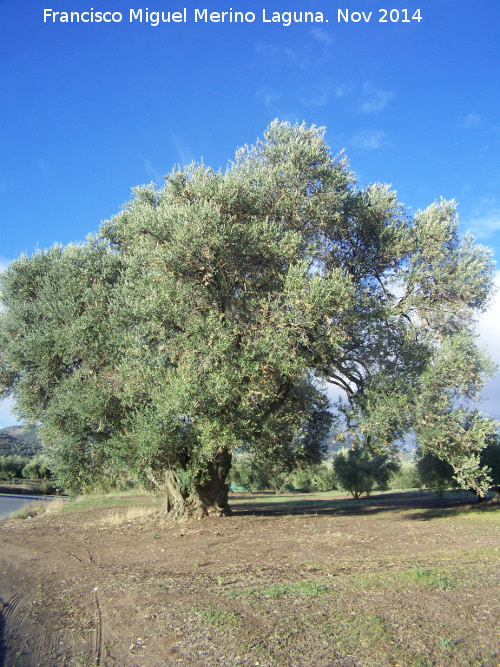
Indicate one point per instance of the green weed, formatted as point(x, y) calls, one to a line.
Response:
point(360, 633)
point(220, 618)
point(430, 578)
point(297, 589)
point(445, 644)
point(83, 659)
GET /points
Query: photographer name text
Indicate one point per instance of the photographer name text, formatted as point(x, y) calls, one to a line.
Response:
point(267, 16)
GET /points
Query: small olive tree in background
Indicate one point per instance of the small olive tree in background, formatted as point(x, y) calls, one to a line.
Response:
point(357, 470)
point(37, 468)
point(434, 473)
point(246, 474)
point(406, 477)
point(314, 477)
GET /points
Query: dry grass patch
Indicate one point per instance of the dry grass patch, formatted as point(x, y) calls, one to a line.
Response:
point(55, 505)
point(127, 515)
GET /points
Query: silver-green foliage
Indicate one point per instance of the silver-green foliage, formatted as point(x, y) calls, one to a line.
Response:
point(358, 470)
point(406, 477)
point(251, 474)
point(37, 468)
point(205, 316)
point(12, 466)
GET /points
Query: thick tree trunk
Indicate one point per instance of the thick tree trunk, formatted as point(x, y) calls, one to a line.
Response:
point(210, 497)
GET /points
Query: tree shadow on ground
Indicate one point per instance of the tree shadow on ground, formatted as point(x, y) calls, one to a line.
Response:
point(425, 505)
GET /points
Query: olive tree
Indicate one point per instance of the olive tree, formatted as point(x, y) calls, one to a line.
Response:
point(357, 470)
point(208, 314)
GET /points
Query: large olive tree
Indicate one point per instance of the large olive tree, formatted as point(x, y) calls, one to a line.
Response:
point(206, 316)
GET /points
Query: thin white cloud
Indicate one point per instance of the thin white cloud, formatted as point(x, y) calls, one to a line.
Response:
point(153, 172)
point(368, 140)
point(485, 218)
point(486, 225)
point(322, 36)
point(343, 90)
point(272, 99)
point(44, 168)
point(471, 121)
point(374, 99)
point(185, 155)
point(276, 53)
point(317, 98)
point(268, 96)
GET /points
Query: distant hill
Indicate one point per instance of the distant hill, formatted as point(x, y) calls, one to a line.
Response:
point(17, 440)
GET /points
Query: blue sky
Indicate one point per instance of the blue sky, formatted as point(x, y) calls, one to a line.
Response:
point(89, 110)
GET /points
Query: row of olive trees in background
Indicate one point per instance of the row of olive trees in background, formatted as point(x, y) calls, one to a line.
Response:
point(355, 471)
point(23, 467)
point(358, 472)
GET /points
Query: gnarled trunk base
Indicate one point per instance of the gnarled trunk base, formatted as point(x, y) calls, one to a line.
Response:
point(174, 501)
point(210, 497)
point(168, 486)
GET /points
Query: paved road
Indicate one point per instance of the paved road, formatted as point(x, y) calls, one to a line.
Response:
point(13, 503)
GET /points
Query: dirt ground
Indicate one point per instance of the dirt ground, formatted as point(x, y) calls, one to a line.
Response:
point(397, 579)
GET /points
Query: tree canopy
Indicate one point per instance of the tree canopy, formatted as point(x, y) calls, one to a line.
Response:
point(208, 314)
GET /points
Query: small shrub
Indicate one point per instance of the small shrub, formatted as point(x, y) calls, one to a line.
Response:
point(220, 618)
point(296, 589)
point(430, 578)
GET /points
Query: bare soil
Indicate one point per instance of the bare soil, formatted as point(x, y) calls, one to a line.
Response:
point(397, 579)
